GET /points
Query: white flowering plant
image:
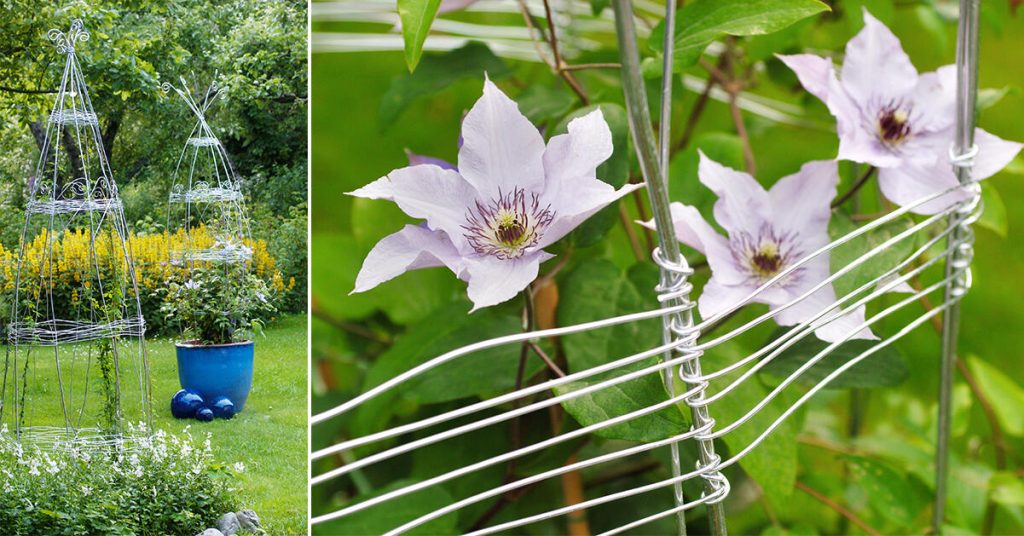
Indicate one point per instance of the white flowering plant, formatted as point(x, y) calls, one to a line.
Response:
point(151, 482)
point(218, 306)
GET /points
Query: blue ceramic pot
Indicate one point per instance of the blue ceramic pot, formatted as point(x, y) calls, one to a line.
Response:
point(217, 370)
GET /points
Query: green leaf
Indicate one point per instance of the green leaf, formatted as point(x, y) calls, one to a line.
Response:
point(993, 217)
point(599, 290)
point(435, 73)
point(884, 260)
point(446, 329)
point(381, 519)
point(1006, 396)
point(416, 16)
point(1007, 488)
point(614, 171)
point(887, 490)
point(884, 368)
point(541, 103)
point(701, 22)
point(773, 464)
point(597, 6)
point(624, 398)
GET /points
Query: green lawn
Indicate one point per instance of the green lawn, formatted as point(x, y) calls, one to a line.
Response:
point(269, 437)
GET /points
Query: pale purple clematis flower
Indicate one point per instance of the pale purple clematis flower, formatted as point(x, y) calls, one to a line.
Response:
point(511, 197)
point(191, 284)
point(768, 232)
point(891, 117)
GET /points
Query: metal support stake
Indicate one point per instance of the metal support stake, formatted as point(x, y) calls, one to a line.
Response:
point(673, 265)
point(962, 154)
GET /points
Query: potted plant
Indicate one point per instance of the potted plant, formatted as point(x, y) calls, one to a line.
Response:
point(218, 311)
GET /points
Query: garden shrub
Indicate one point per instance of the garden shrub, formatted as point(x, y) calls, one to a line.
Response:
point(163, 484)
point(72, 266)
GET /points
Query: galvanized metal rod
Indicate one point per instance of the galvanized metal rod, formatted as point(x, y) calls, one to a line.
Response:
point(966, 99)
point(668, 248)
point(664, 137)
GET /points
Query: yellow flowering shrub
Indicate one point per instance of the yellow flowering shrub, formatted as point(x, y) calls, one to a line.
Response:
point(73, 272)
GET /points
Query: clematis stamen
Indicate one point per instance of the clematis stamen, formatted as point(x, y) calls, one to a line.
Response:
point(508, 225)
point(767, 254)
point(893, 124)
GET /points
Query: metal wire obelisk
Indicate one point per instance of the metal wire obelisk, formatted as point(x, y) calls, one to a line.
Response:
point(76, 367)
point(206, 195)
point(958, 258)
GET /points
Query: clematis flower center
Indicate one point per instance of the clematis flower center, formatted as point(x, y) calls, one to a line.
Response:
point(763, 256)
point(893, 124)
point(508, 225)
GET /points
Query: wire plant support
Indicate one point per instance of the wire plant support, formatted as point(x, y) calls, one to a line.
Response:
point(687, 359)
point(76, 372)
point(206, 194)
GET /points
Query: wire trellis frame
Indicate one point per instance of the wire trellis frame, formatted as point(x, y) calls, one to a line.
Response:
point(207, 191)
point(690, 380)
point(95, 328)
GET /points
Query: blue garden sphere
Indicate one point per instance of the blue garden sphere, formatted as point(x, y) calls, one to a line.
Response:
point(185, 403)
point(204, 414)
point(222, 407)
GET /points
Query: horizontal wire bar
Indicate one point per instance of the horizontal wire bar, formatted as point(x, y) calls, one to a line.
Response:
point(820, 355)
point(554, 401)
point(565, 469)
point(825, 381)
point(490, 343)
point(705, 499)
point(491, 402)
point(568, 468)
point(456, 473)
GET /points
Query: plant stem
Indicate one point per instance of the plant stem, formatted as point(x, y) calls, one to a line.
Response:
point(634, 242)
point(855, 188)
point(559, 66)
point(823, 499)
point(582, 66)
point(694, 117)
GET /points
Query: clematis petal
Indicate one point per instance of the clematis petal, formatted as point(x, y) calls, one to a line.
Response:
point(378, 189)
point(418, 159)
point(743, 205)
point(800, 201)
point(908, 184)
point(856, 141)
point(571, 161)
point(501, 149)
point(493, 281)
point(814, 72)
point(591, 196)
point(414, 247)
point(692, 230)
point(439, 196)
point(994, 153)
point(934, 99)
point(717, 297)
point(875, 68)
point(840, 322)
